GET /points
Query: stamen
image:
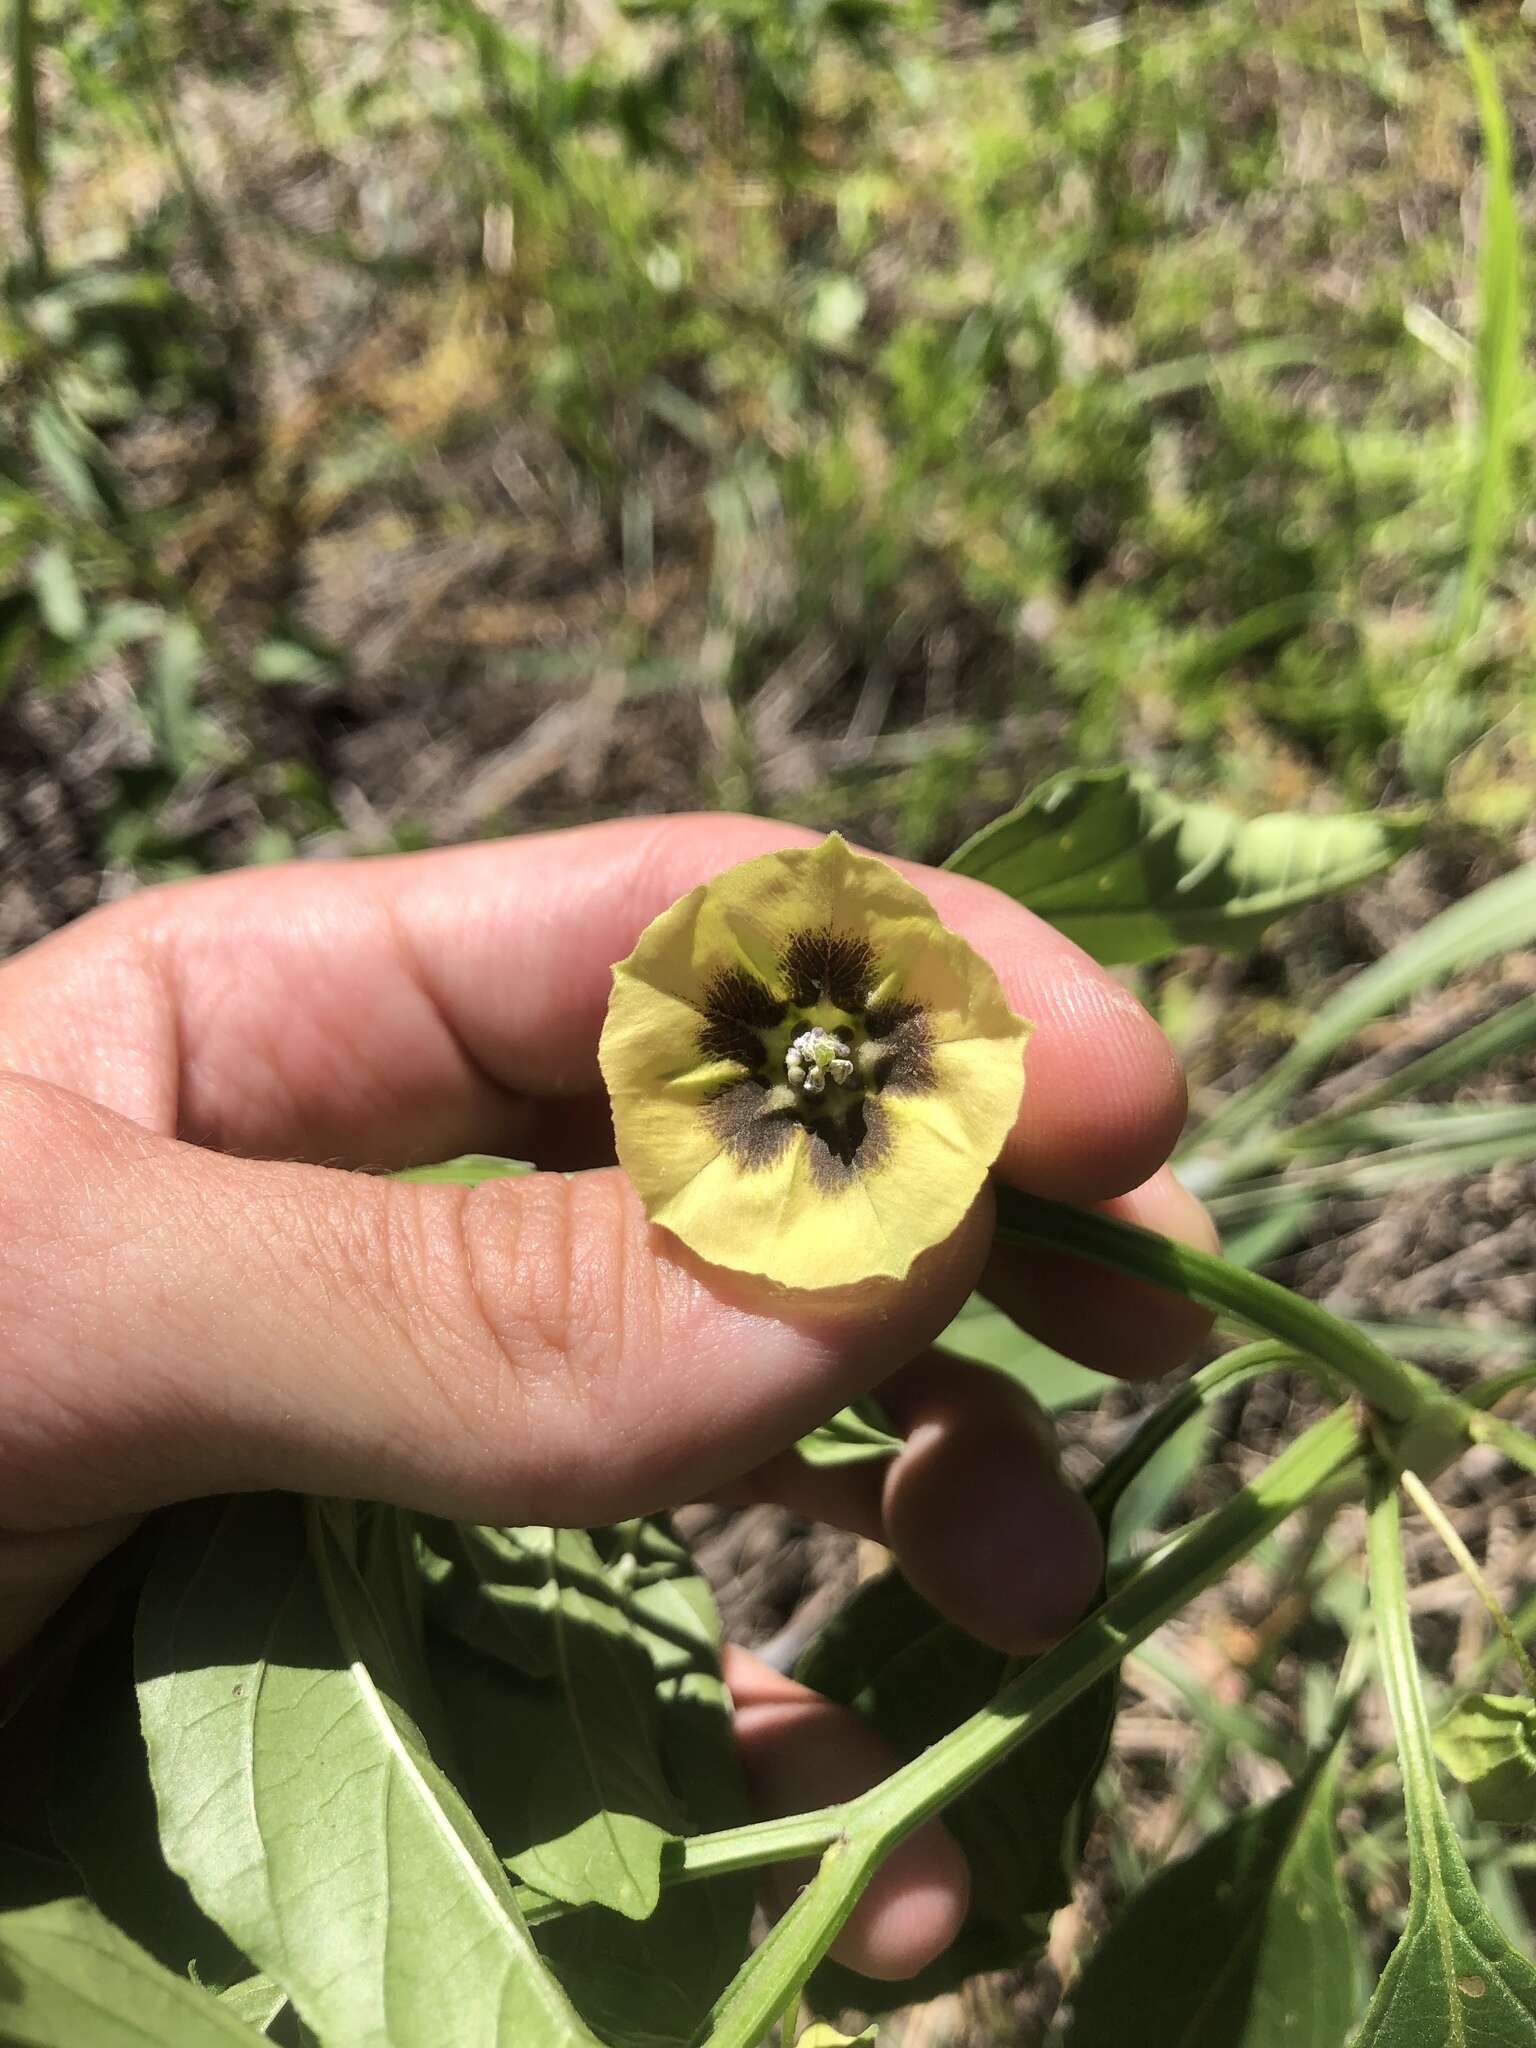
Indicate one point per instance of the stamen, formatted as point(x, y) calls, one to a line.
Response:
point(814, 1057)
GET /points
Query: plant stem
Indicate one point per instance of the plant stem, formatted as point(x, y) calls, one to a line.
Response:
point(26, 135)
point(716, 1855)
point(874, 1823)
point(1450, 1536)
point(1503, 1436)
point(1164, 1584)
point(1400, 1674)
point(1400, 1392)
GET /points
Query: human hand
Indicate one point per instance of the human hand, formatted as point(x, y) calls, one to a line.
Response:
point(192, 1302)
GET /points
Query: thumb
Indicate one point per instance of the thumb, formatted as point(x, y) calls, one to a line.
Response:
point(176, 1322)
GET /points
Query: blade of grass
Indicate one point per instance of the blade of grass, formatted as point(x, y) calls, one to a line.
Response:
point(1496, 919)
point(27, 134)
point(1499, 320)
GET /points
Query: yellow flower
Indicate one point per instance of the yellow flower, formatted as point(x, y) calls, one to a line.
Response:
point(810, 1075)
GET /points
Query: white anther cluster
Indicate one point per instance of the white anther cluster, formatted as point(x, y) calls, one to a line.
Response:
point(815, 1057)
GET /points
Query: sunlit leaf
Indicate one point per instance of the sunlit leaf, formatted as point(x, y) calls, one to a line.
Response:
point(1247, 1943)
point(70, 1979)
point(102, 1807)
point(1453, 1980)
point(299, 1802)
point(985, 1336)
point(650, 1984)
point(1500, 319)
point(255, 2002)
point(469, 1170)
point(564, 1771)
point(1489, 1745)
point(57, 590)
point(852, 1437)
point(180, 729)
point(1132, 873)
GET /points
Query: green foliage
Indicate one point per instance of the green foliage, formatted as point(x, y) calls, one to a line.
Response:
point(1488, 1743)
point(1453, 1977)
point(1132, 874)
point(469, 1171)
point(589, 1827)
point(914, 1677)
point(1248, 1941)
point(1027, 351)
point(68, 1976)
point(853, 1437)
point(262, 1661)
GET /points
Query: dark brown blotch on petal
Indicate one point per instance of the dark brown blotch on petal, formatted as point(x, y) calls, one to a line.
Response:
point(829, 966)
point(750, 1131)
point(738, 1008)
point(905, 1039)
point(842, 1148)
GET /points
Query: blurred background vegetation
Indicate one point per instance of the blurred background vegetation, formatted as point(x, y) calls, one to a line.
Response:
point(435, 419)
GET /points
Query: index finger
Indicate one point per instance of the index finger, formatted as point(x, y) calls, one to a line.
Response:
point(384, 1012)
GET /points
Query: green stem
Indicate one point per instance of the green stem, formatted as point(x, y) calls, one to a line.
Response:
point(688, 1858)
point(872, 1825)
point(1400, 1674)
point(1166, 1583)
point(26, 134)
point(1503, 1436)
point(1400, 1392)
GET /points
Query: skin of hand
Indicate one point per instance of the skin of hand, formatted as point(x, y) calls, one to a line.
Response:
point(201, 1292)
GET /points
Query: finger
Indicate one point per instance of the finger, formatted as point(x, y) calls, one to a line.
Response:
point(1100, 1317)
point(973, 1507)
point(800, 1751)
point(39, 1570)
point(383, 1012)
point(978, 1515)
point(179, 1322)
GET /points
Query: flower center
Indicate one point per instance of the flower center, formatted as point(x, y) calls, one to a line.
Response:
point(815, 1057)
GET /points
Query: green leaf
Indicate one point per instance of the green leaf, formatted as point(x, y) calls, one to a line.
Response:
point(1500, 318)
point(76, 463)
point(566, 1770)
point(180, 730)
point(102, 1807)
point(255, 2002)
point(1489, 1745)
point(913, 1677)
point(1247, 1943)
point(1131, 873)
point(985, 1336)
point(651, 1984)
point(852, 1437)
point(486, 1586)
point(298, 1801)
point(1142, 1504)
point(469, 1170)
point(57, 590)
point(70, 1979)
point(1453, 1980)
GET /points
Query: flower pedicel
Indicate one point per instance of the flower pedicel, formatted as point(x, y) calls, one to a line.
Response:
point(810, 1075)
